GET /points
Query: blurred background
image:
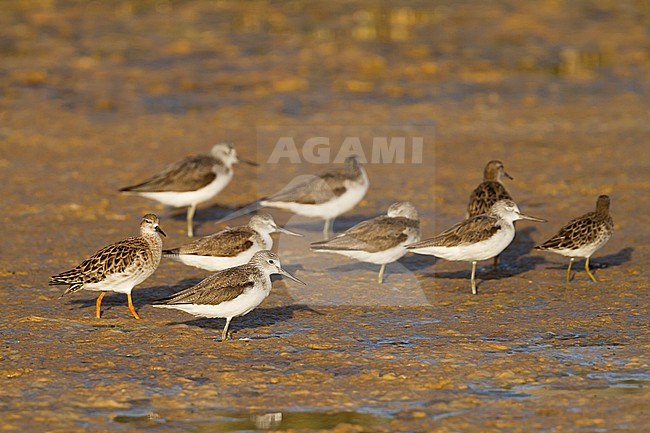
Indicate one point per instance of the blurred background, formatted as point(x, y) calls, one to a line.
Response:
point(107, 59)
point(115, 90)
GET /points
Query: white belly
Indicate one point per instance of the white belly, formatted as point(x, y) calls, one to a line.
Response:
point(381, 257)
point(119, 283)
point(212, 263)
point(378, 258)
point(187, 198)
point(472, 252)
point(241, 305)
point(339, 205)
point(584, 252)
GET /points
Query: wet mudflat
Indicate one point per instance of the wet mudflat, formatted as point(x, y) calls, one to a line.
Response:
point(96, 96)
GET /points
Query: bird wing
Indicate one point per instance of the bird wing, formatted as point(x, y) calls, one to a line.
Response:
point(310, 190)
point(305, 189)
point(484, 196)
point(374, 235)
point(574, 234)
point(112, 259)
point(220, 287)
point(226, 243)
point(472, 230)
point(190, 174)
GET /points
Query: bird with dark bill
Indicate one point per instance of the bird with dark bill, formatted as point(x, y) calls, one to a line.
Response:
point(119, 267)
point(379, 240)
point(191, 181)
point(583, 236)
point(326, 195)
point(477, 238)
point(230, 293)
point(229, 247)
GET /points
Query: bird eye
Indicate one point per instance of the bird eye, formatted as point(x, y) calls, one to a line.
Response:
point(271, 262)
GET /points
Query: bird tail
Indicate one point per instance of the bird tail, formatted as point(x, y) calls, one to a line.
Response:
point(71, 278)
point(130, 189)
point(340, 243)
point(165, 302)
point(419, 244)
point(135, 188)
point(68, 277)
point(174, 252)
point(74, 287)
point(324, 245)
point(159, 303)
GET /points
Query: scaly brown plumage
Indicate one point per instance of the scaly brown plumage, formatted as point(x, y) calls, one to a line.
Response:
point(118, 267)
point(583, 236)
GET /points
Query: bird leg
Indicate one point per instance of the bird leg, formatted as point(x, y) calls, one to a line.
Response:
point(473, 275)
point(131, 307)
point(496, 262)
point(589, 272)
point(190, 220)
point(98, 305)
point(327, 228)
point(380, 278)
point(224, 333)
point(568, 271)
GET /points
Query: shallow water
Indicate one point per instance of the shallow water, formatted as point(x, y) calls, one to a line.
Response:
point(224, 421)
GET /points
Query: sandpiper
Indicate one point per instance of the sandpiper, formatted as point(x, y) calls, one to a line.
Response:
point(118, 267)
point(230, 247)
point(193, 180)
point(325, 196)
point(583, 236)
point(232, 292)
point(490, 191)
point(379, 240)
point(477, 238)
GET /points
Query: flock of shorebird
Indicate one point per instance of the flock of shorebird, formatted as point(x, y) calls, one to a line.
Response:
point(241, 255)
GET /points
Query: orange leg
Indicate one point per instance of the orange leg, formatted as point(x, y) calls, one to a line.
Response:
point(131, 307)
point(98, 304)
